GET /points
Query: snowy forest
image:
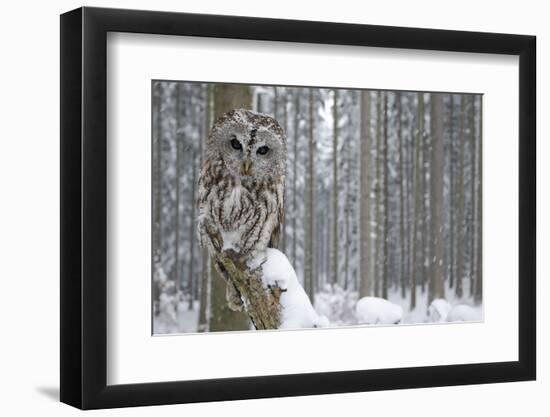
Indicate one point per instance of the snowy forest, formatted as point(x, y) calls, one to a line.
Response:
point(383, 203)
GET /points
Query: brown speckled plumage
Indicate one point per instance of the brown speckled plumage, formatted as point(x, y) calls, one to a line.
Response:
point(240, 196)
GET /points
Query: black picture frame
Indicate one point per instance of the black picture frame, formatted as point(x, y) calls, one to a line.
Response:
point(84, 207)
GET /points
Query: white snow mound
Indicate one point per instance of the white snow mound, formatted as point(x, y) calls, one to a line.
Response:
point(296, 308)
point(463, 312)
point(374, 310)
point(438, 310)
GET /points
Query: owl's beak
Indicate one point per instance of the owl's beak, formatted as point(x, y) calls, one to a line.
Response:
point(246, 168)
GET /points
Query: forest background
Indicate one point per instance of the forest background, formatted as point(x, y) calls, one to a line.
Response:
point(382, 198)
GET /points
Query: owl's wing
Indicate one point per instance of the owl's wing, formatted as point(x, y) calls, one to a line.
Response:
point(276, 233)
point(201, 203)
point(279, 225)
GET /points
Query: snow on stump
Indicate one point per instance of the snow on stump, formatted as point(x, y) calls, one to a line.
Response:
point(296, 310)
point(438, 310)
point(374, 310)
point(463, 312)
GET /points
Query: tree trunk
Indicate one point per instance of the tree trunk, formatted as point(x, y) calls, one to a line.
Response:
point(335, 217)
point(205, 286)
point(460, 215)
point(365, 184)
point(417, 193)
point(409, 198)
point(261, 304)
point(226, 97)
point(176, 271)
point(309, 245)
point(347, 211)
point(285, 221)
point(157, 183)
point(295, 178)
point(157, 103)
point(386, 211)
point(437, 289)
point(402, 197)
point(335, 242)
point(478, 294)
point(275, 103)
point(452, 198)
point(471, 225)
point(424, 233)
point(378, 189)
point(192, 233)
point(259, 104)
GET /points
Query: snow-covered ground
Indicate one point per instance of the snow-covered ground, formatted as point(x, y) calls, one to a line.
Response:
point(373, 310)
point(184, 320)
point(333, 306)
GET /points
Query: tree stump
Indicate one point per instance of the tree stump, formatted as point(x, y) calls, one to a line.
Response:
point(260, 302)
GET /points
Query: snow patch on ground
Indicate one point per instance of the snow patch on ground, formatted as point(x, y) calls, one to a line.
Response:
point(438, 310)
point(420, 314)
point(176, 317)
point(337, 304)
point(463, 312)
point(374, 310)
point(334, 306)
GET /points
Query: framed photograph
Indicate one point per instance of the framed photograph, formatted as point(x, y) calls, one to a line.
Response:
point(255, 208)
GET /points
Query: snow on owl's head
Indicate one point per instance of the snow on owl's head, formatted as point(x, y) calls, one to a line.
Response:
point(251, 145)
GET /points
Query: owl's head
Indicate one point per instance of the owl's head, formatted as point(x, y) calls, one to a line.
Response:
point(251, 145)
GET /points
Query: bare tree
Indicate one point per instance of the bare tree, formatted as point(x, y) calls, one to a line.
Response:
point(437, 289)
point(378, 189)
point(157, 141)
point(478, 294)
point(297, 116)
point(335, 196)
point(309, 244)
point(285, 126)
point(425, 206)
point(365, 184)
point(157, 184)
point(386, 203)
point(417, 193)
point(206, 276)
point(452, 197)
point(460, 202)
point(472, 210)
point(402, 196)
point(176, 271)
point(460, 215)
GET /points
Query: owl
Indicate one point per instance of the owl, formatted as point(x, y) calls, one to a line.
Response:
point(241, 184)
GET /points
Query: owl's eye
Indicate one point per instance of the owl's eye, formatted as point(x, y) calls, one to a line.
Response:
point(262, 150)
point(235, 144)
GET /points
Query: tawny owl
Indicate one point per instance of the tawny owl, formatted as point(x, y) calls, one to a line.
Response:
point(241, 184)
